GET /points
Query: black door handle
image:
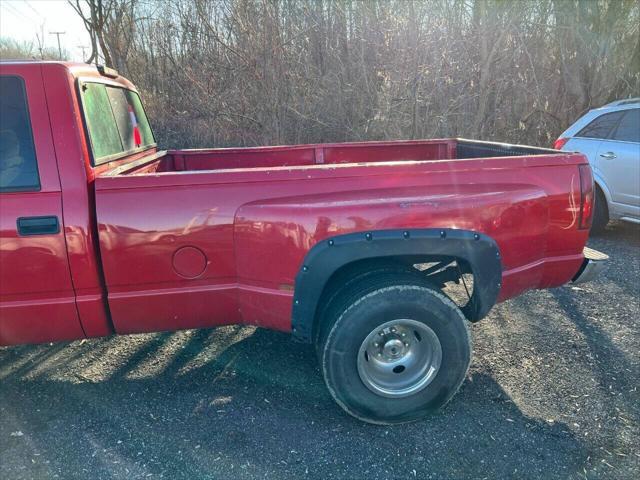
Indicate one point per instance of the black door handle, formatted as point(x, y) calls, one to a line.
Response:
point(38, 226)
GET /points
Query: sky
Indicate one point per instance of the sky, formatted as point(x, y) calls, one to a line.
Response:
point(22, 19)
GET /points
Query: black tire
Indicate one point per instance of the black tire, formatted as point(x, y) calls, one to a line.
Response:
point(600, 213)
point(375, 301)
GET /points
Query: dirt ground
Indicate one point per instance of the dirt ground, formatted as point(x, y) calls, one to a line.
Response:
point(552, 393)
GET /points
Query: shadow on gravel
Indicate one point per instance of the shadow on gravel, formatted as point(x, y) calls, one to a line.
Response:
point(244, 403)
point(619, 231)
point(613, 368)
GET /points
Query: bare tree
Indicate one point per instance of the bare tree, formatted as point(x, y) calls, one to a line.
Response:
point(16, 50)
point(99, 13)
point(251, 72)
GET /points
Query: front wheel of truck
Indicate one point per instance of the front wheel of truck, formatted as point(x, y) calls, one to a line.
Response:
point(396, 352)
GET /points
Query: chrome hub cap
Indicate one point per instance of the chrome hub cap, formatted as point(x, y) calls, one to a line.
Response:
point(399, 358)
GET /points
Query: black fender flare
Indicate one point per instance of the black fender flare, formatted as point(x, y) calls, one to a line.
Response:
point(326, 257)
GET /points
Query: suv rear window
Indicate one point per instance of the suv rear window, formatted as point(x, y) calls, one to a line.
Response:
point(629, 128)
point(18, 166)
point(116, 121)
point(601, 127)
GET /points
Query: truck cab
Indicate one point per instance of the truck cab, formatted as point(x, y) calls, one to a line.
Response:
point(50, 274)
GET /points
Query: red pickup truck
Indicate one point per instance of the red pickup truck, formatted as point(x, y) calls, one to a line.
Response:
point(348, 246)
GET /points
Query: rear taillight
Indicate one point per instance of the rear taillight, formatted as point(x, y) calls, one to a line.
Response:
point(559, 143)
point(586, 196)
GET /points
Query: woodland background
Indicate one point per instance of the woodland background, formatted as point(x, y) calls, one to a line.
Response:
point(258, 72)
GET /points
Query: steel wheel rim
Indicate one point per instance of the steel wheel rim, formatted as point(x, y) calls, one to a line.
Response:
point(399, 358)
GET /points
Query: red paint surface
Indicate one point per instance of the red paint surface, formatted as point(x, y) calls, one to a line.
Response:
point(37, 301)
point(256, 225)
point(253, 213)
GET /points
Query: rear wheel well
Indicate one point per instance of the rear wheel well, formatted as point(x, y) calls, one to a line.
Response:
point(438, 270)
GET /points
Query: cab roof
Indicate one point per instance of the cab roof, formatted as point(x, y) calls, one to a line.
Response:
point(75, 69)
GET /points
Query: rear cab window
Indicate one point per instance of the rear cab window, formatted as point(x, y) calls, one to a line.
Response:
point(116, 122)
point(18, 166)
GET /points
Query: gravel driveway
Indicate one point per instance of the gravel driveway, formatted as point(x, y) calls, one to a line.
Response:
point(552, 393)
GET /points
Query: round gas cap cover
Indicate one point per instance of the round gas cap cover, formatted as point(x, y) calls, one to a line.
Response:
point(189, 262)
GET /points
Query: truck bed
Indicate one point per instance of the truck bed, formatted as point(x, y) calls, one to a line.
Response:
point(196, 238)
point(192, 160)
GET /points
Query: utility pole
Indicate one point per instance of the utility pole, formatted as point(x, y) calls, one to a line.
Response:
point(40, 46)
point(57, 34)
point(83, 48)
point(40, 39)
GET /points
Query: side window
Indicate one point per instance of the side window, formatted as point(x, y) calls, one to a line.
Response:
point(629, 128)
point(602, 126)
point(18, 167)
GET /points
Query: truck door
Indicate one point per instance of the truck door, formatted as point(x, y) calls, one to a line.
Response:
point(37, 301)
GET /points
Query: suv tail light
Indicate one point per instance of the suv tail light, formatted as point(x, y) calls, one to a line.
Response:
point(586, 197)
point(559, 143)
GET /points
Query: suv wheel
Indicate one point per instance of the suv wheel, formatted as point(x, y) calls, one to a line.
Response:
point(600, 213)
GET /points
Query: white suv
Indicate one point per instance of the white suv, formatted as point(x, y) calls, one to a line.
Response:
point(610, 138)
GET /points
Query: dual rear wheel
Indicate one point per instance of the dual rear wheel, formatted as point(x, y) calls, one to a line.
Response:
point(393, 349)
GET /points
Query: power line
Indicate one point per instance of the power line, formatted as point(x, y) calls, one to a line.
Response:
point(26, 2)
point(14, 11)
point(23, 17)
point(18, 13)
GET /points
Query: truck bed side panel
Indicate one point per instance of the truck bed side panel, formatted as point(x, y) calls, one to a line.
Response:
point(252, 230)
